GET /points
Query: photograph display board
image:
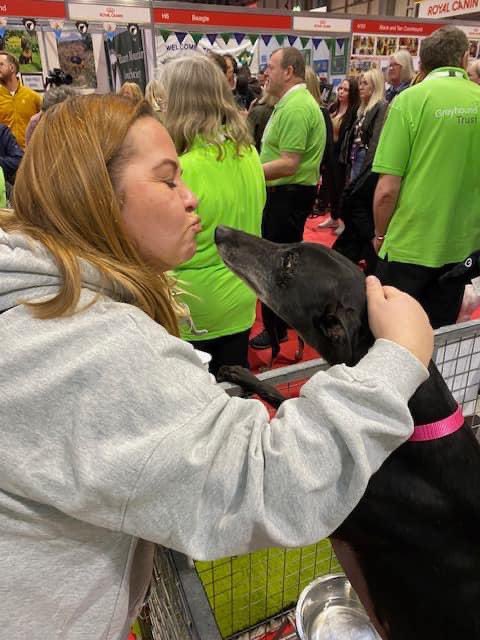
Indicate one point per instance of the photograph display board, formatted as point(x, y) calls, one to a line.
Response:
point(126, 58)
point(24, 46)
point(374, 41)
point(75, 57)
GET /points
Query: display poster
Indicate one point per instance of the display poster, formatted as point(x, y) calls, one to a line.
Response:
point(75, 57)
point(126, 59)
point(24, 46)
point(339, 51)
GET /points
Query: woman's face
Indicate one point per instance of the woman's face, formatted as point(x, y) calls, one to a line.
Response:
point(343, 91)
point(158, 211)
point(394, 71)
point(365, 89)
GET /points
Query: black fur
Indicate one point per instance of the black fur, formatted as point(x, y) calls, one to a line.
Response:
point(415, 536)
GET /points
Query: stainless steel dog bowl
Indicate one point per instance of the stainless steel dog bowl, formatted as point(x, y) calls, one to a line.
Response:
point(329, 609)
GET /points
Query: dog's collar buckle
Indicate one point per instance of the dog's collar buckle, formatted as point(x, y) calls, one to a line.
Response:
point(440, 429)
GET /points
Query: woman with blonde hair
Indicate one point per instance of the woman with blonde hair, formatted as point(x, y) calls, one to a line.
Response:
point(222, 167)
point(155, 96)
point(131, 90)
point(400, 73)
point(114, 438)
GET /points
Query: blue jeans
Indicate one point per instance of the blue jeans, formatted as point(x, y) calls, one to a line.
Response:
point(357, 163)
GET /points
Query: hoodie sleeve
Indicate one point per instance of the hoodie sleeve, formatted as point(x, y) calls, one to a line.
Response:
point(226, 480)
point(121, 426)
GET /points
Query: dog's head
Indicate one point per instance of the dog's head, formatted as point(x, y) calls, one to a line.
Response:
point(315, 290)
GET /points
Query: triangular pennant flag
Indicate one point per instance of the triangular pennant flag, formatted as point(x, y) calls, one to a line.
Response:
point(2, 31)
point(253, 37)
point(280, 39)
point(57, 26)
point(266, 39)
point(226, 37)
point(291, 40)
point(181, 35)
point(316, 42)
point(304, 41)
point(109, 28)
point(196, 37)
point(212, 37)
point(165, 34)
point(239, 37)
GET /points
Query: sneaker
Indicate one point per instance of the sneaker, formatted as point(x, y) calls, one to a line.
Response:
point(329, 223)
point(262, 340)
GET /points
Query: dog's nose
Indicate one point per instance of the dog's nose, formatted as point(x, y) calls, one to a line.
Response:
point(221, 234)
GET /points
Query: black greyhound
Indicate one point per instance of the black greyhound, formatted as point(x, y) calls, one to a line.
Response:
point(411, 547)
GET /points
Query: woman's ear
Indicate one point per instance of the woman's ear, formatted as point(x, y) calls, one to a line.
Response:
point(465, 60)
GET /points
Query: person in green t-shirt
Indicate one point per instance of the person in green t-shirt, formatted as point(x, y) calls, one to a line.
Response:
point(221, 166)
point(427, 201)
point(292, 148)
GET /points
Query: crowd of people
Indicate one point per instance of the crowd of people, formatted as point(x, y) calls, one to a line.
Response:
point(114, 436)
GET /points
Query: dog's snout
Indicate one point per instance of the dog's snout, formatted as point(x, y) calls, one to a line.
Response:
point(221, 234)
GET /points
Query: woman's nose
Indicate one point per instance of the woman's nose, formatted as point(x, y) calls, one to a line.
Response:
point(190, 199)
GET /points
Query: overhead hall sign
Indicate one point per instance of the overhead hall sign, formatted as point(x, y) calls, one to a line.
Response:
point(107, 13)
point(447, 8)
point(395, 27)
point(32, 8)
point(203, 19)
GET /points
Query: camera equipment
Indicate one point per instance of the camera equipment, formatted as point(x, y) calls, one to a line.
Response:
point(57, 77)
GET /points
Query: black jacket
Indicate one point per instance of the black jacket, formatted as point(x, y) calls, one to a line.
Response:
point(10, 153)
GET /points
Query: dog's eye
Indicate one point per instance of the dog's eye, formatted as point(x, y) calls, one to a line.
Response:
point(288, 261)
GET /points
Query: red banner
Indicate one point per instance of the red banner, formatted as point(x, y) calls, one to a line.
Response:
point(394, 28)
point(32, 9)
point(203, 19)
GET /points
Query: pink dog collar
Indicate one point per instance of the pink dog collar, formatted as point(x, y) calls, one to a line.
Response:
point(440, 429)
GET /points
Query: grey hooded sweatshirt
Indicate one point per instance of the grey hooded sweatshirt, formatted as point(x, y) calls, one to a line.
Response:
point(113, 436)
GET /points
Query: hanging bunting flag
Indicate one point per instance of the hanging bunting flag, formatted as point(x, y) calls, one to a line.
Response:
point(280, 39)
point(291, 40)
point(253, 37)
point(181, 35)
point(165, 34)
point(316, 42)
point(109, 28)
point(212, 37)
point(340, 42)
point(196, 37)
point(266, 39)
point(57, 26)
point(304, 41)
point(226, 37)
point(239, 38)
point(29, 24)
point(3, 27)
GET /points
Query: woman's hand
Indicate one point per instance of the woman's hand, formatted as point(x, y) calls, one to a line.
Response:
point(396, 316)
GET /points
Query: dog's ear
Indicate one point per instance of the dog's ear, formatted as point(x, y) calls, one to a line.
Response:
point(335, 326)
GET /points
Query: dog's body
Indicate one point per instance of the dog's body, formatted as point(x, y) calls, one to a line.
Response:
point(411, 547)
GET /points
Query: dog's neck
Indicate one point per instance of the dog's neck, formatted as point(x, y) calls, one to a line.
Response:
point(433, 400)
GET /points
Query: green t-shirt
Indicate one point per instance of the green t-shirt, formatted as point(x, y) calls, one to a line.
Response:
point(231, 191)
point(432, 140)
point(296, 125)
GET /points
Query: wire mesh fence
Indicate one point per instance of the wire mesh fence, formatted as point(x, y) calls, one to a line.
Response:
point(239, 593)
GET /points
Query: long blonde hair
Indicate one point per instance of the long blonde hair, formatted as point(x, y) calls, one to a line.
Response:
point(64, 197)
point(200, 103)
point(313, 84)
point(375, 79)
